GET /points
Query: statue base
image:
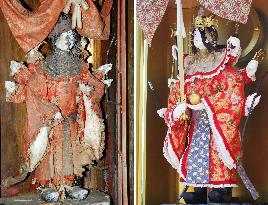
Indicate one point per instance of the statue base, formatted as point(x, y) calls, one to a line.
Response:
point(94, 198)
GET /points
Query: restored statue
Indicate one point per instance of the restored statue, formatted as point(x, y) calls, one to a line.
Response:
point(204, 146)
point(64, 129)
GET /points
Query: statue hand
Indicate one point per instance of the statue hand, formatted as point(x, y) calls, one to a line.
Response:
point(161, 112)
point(179, 110)
point(10, 87)
point(199, 106)
point(252, 68)
point(15, 67)
point(86, 89)
point(33, 56)
point(58, 118)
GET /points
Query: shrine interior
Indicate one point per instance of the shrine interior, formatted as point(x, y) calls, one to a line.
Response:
point(137, 93)
point(106, 174)
point(161, 187)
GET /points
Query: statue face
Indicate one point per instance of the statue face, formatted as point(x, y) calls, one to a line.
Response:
point(198, 43)
point(65, 41)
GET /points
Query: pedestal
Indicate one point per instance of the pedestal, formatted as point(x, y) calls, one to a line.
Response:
point(94, 198)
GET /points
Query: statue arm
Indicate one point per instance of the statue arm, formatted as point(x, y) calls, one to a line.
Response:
point(15, 91)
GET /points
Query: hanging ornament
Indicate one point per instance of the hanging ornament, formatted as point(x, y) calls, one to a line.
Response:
point(76, 16)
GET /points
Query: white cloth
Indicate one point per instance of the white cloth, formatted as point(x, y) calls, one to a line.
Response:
point(10, 87)
point(175, 52)
point(15, 67)
point(249, 103)
point(251, 69)
point(85, 88)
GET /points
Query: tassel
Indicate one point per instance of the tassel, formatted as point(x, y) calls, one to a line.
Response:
point(77, 14)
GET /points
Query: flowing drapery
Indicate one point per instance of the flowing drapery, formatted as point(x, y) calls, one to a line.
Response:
point(31, 27)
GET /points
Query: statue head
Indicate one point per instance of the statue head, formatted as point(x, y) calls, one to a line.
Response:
point(62, 36)
point(65, 59)
point(204, 35)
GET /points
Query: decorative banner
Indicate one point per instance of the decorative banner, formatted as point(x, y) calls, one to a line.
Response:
point(149, 16)
point(30, 28)
point(234, 10)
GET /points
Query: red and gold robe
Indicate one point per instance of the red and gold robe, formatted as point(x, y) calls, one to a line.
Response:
point(222, 93)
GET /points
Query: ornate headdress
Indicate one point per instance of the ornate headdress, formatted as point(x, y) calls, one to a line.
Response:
point(201, 21)
point(206, 23)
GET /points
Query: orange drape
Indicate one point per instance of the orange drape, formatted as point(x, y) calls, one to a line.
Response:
point(31, 27)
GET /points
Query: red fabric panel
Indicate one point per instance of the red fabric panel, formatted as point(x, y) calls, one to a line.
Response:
point(149, 16)
point(31, 28)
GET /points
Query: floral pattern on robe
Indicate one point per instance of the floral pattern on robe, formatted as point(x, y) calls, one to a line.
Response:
point(222, 93)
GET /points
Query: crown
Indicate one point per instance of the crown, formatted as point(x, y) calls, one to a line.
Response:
point(202, 22)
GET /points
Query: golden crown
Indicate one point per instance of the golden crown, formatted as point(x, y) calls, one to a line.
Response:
point(202, 22)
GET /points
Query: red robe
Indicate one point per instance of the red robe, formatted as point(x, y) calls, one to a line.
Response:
point(44, 97)
point(222, 93)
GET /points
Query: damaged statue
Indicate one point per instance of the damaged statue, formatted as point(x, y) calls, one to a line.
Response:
point(64, 129)
point(203, 139)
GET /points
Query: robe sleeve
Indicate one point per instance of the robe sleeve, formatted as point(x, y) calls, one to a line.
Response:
point(98, 87)
point(225, 109)
point(175, 139)
point(21, 78)
point(31, 27)
point(247, 79)
point(232, 61)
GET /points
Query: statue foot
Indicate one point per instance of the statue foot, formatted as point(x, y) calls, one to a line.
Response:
point(76, 193)
point(49, 195)
point(221, 195)
point(199, 196)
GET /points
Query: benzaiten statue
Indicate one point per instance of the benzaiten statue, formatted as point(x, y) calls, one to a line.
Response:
point(64, 129)
point(204, 145)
